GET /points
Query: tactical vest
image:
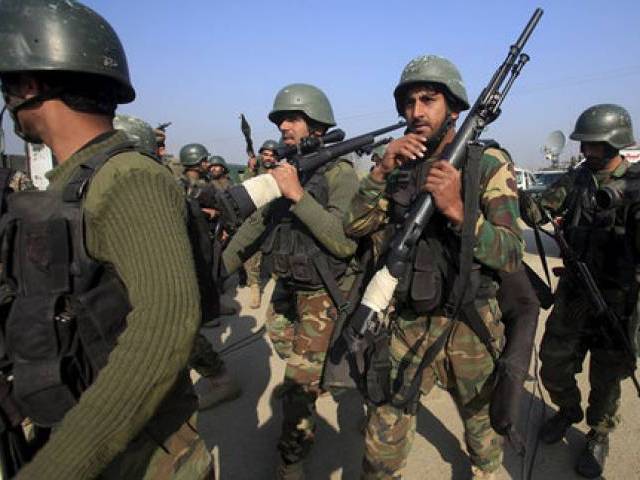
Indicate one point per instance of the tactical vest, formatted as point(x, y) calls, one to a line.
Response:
point(66, 309)
point(428, 286)
point(290, 250)
point(602, 238)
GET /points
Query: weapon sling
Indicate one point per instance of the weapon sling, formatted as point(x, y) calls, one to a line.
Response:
point(461, 305)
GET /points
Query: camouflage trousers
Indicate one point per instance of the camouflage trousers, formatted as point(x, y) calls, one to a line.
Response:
point(301, 333)
point(463, 367)
point(204, 359)
point(572, 330)
point(252, 267)
point(183, 456)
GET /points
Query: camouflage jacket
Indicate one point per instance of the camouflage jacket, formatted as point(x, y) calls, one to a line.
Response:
point(499, 243)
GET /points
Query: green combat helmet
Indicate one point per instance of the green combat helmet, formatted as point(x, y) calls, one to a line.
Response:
point(432, 69)
point(301, 97)
point(607, 123)
point(192, 154)
point(269, 145)
point(138, 130)
point(218, 160)
point(65, 36)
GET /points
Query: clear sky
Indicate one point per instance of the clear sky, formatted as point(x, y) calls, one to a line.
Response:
point(200, 63)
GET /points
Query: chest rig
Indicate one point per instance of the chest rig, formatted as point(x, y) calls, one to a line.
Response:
point(66, 309)
point(602, 238)
point(290, 249)
point(430, 284)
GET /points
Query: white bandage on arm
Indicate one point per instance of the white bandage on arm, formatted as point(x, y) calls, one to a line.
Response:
point(262, 189)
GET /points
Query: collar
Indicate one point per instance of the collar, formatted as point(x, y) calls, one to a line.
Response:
point(101, 142)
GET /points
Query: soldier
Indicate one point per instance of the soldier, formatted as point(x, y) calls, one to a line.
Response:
point(306, 249)
point(606, 239)
point(161, 140)
point(123, 300)
point(430, 96)
point(193, 158)
point(138, 130)
point(266, 159)
point(218, 172)
point(216, 385)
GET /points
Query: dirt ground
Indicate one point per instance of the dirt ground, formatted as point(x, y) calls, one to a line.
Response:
point(242, 434)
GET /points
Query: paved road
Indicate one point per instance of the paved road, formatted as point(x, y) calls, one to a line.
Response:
point(243, 434)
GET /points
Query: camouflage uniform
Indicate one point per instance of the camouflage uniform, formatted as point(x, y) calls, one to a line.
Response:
point(464, 366)
point(301, 330)
point(572, 329)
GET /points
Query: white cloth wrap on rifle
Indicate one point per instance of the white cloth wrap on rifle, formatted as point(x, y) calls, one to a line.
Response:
point(380, 290)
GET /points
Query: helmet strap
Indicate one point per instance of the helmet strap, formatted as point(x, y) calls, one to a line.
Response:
point(28, 103)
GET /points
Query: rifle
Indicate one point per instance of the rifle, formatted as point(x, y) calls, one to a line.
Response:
point(307, 164)
point(163, 126)
point(246, 131)
point(580, 272)
point(370, 148)
point(485, 110)
point(240, 201)
point(308, 145)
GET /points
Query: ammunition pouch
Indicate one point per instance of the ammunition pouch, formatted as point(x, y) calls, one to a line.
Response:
point(427, 281)
point(290, 255)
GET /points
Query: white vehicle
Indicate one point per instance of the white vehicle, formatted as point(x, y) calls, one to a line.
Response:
point(525, 178)
point(546, 178)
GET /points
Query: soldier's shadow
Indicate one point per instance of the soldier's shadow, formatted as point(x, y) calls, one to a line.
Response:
point(549, 461)
point(339, 449)
point(448, 446)
point(233, 429)
point(546, 461)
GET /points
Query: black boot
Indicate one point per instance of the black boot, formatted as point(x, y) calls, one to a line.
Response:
point(591, 460)
point(555, 428)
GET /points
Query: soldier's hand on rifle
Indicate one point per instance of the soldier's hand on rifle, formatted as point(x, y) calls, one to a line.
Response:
point(288, 182)
point(445, 185)
point(403, 149)
point(211, 212)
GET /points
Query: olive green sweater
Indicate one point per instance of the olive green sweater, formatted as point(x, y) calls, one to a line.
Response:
point(135, 220)
point(324, 223)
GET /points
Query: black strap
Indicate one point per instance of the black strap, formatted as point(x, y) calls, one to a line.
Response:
point(471, 189)
point(541, 252)
point(474, 321)
point(76, 188)
point(330, 283)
